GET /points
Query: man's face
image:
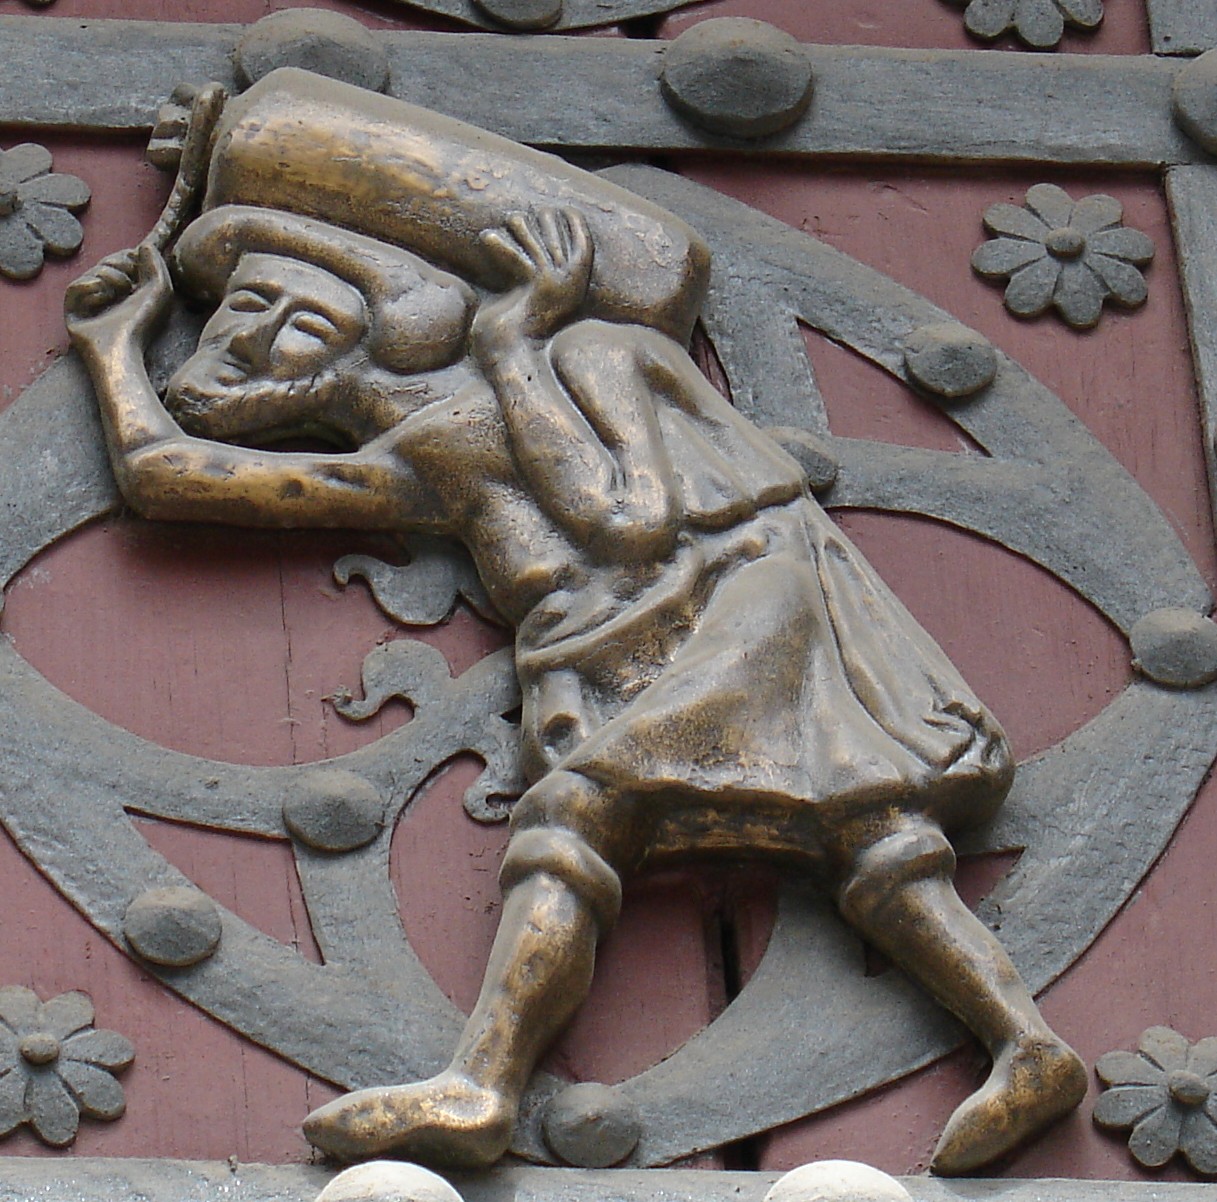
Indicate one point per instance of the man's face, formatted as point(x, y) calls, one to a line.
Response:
point(266, 355)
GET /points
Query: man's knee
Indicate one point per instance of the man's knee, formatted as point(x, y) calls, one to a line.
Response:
point(562, 854)
point(572, 828)
point(912, 853)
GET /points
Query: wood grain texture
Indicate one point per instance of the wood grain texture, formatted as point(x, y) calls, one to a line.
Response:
point(589, 93)
point(227, 644)
point(376, 14)
point(920, 24)
point(1039, 655)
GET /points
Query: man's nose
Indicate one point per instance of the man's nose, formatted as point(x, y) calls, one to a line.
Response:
point(253, 338)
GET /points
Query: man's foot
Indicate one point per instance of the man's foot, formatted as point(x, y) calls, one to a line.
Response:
point(447, 1120)
point(1034, 1082)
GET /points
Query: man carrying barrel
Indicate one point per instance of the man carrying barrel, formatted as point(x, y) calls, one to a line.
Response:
point(707, 665)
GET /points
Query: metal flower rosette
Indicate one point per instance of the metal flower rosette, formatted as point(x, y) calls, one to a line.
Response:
point(70, 780)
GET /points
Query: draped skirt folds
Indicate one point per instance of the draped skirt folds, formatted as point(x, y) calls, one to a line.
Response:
point(764, 686)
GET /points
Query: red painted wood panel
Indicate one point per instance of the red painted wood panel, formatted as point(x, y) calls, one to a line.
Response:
point(227, 644)
point(917, 24)
point(1036, 652)
point(376, 14)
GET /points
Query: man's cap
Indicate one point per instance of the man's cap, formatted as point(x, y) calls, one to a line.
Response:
point(299, 143)
point(418, 313)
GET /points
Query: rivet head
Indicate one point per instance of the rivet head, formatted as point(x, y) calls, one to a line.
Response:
point(522, 14)
point(949, 360)
point(334, 810)
point(810, 452)
point(1176, 647)
point(1195, 100)
point(39, 1047)
point(591, 1126)
point(738, 77)
point(175, 926)
point(1065, 243)
point(1188, 1089)
point(388, 1181)
point(314, 39)
point(836, 1181)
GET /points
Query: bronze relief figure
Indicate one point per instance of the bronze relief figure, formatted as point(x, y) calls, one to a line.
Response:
point(492, 341)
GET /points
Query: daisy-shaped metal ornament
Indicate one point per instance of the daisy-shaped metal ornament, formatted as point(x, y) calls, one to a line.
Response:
point(55, 1066)
point(1166, 1092)
point(36, 209)
point(1070, 254)
point(1039, 23)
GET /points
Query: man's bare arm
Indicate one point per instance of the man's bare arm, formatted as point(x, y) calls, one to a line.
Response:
point(164, 473)
point(594, 454)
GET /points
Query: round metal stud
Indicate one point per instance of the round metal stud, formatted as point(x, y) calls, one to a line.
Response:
point(810, 452)
point(591, 1126)
point(836, 1181)
point(175, 926)
point(522, 14)
point(738, 77)
point(315, 39)
point(949, 360)
point(1195, 100)
point(1065, 243)
point(1175, 647)
point(388, 1181)
point(39, 1047)
point(333, 810)
point(1188, 1089)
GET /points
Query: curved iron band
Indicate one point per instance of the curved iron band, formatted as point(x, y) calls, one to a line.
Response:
point(68, 756)
point(576, 14)
point(1052, 492)
point(64, 775)
point(1091, 814)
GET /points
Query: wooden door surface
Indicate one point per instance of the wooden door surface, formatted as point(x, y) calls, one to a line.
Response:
point(230, 645)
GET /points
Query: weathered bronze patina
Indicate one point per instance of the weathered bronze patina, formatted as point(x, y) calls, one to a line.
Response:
point(491, 342)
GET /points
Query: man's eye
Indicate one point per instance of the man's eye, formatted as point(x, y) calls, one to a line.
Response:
point(315, 326)
point(247, 302)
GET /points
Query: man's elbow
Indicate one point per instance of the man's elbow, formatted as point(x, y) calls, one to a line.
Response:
point(151, 484)
point(639, 532)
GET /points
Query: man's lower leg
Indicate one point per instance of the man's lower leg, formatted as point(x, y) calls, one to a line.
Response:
point(539, 971)
point(902, 898)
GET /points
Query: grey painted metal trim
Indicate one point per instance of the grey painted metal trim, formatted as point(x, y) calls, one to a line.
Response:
point(104, 75)
point(1183, 26)
point(1048, 489)
point(576, 14)
point(590, 93)
point(1192, 193)
point(1105, 802)
point(1107, 795)
point(80, 486)
point(84, 1179)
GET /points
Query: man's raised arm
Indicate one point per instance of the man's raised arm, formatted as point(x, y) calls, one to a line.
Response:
point(589, 445)
point(112, 313)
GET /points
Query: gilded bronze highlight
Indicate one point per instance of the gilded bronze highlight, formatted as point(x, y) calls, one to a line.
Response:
point(491, 341)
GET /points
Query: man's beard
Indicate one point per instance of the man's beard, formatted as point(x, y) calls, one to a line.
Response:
point(257, 409)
